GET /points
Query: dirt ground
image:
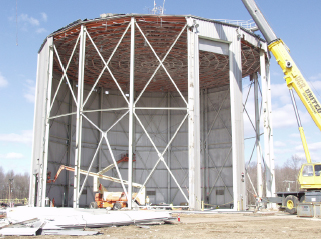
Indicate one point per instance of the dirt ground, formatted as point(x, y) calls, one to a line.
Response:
point(232, 225)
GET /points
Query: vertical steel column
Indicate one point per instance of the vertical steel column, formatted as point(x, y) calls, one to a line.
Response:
point(257, 141)
point(101, 123)
point(82, 49)
point(71, 120)
point(203, 155)
point(169, 147)
point(131, 113)
point(202, 142)
point(266, 125)
point(134, 141)
point(207, 173)
point(193, 120)
point(271, 149)
point(235, 73)
point(43, 170)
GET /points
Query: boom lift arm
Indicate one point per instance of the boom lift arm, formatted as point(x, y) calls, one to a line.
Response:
point(103, 198)
point(293, 77)
point(95, 175)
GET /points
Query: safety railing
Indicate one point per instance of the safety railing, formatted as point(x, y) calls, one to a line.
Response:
point(247, 24)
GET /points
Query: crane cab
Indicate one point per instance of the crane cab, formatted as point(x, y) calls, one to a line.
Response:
point(310, 176)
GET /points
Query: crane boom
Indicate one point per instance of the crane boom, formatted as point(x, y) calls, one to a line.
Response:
point(260, 20)
point(293, 77)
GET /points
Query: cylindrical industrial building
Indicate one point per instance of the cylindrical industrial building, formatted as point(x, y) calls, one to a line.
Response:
point(147, 100)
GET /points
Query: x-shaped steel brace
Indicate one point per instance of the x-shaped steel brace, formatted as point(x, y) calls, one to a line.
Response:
point(65, 73)
point(106, 64)
point(160, 155)
point(104, 136)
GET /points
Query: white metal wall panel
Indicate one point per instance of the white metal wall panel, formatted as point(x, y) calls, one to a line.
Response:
point(59, 151)
point(155, 122)
point(223, 32)
point(213, 46)
point(60, 106)
point(232, 35)
point(61, 154)
point(214, 30)
point(253, 40)
point(39, 116)
point(239, 190)
point(219, 181)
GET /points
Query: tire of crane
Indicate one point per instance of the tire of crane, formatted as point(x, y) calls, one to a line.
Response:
point(291, 203)
point(117, 206)
point(93, 205)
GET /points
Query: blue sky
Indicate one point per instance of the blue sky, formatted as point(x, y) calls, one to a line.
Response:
point(296, 22)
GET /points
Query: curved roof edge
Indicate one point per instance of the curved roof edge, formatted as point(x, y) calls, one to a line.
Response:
point(79, 21)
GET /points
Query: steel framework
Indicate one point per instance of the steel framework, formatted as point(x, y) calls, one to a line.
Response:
point(170, 86)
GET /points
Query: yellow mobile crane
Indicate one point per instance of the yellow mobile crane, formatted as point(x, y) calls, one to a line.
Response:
point(309, 177)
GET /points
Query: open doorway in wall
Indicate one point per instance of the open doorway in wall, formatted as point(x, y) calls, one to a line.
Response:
point(215, 115)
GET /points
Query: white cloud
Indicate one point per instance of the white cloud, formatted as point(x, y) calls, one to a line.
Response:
point(29, 91)
point(279, 144)
point(280, 93)
point(40, 30)
point(280, 151)
point(25, 137)
point(29, 20)
point(283, 116)
point(315, 85)
point(44, 16)
point(3, 81)
point(316, 77)
point(315, 146)
point(299, 148)
point(275, 73)
point(11, 156)
point(315, 156)
point(295, 135)
point(314, 149)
